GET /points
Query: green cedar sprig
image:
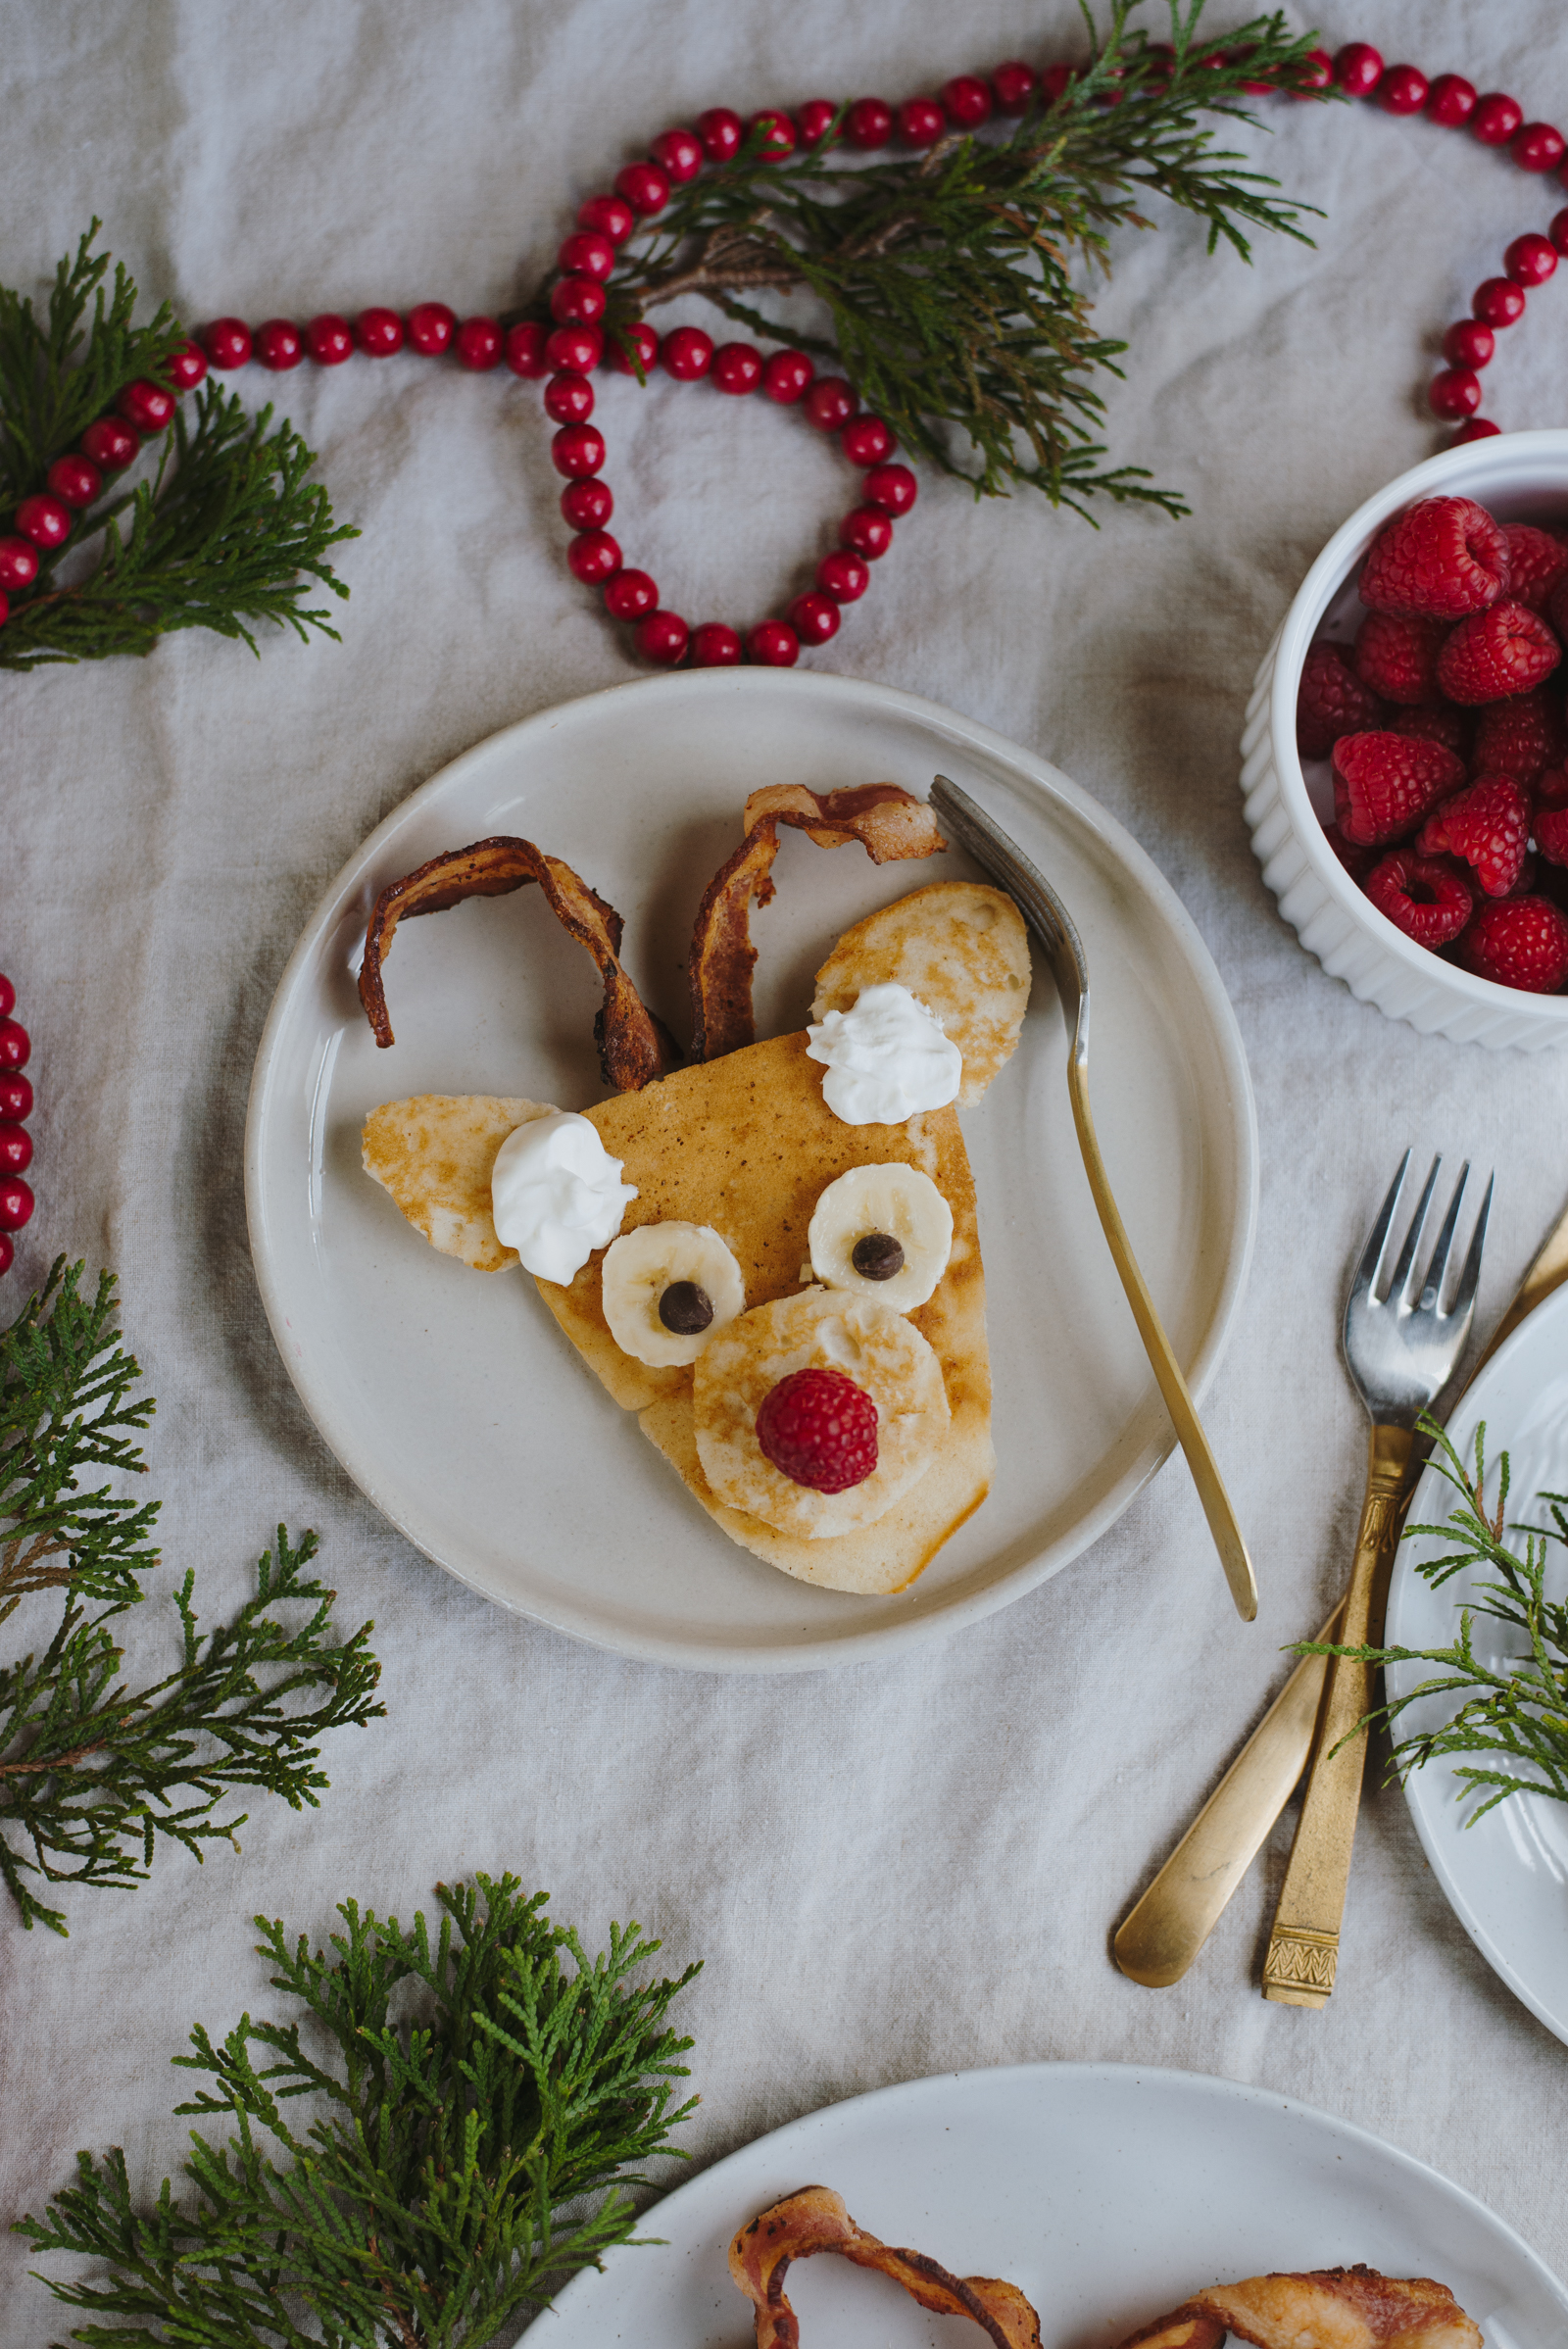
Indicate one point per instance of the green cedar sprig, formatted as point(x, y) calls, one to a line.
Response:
point(951, 284)
point(92, 1772)
point(439, 2189)
point(1520, 1710)
point(230, 530)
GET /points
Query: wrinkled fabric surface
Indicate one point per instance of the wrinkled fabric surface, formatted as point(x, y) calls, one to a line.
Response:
point(892, 1868)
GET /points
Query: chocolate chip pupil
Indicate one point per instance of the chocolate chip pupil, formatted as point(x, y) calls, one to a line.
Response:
point(878, 1258)
point(685, 1309)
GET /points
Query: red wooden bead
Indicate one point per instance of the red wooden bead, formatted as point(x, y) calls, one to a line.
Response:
point(1480, 427)
point(1539, 147)
point(1455, 392)
point(5, 608)
point(149, 408)
point(713, 646)
point(76, 480)
point(647, 342)
point(568, 399)
point(1469, 344)
point(576, 450)
point(868, 124)
point(8, 1005)
point(594, 556)
point(15, 1043)
point(893, 487)
point(867, 440)
point(16, 1148)
point(45, 520)
point(687, 354)
point(1054, 83)
point(843, 577)
point(1557, 230)
point(1497, 301)
point(630, 596)
point(1452, 101)
point(1531, 258)
point(737, 367)
point(7, 1253)
point(573, 350)
point(966, 101)
point(111, 444)
point(722, 132)
point(226, 342)
point(379, 332)
point(587, 253)
point(829, 403)
point(16, 1093)
point(477, 343)
point(279, 345)
point(774, 644)
point(643, 186)
point(611, 216)
point(185, 368)
point(525, 349)
point(432, 329)
point(1358, 69)
point(1495, 118)
point(1315, 73)
point(778, 133)
point(662, 637)
point(868, 531)
point(921, 122)
point(587, 504)
point(814, 618)
point(679, 154)
point(576, 302)
point(1012, 85)
point(787, 376)
point(19, 567)
point(16, 1204)
point(1402, 90)
point(329, 339)
point(814, 120)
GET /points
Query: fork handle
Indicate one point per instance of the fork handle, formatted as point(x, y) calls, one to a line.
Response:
point(1304, 1948)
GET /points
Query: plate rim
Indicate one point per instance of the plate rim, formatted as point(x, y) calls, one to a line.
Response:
point(900, 1635)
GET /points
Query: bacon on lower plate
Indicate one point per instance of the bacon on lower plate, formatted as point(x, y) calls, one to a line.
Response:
point(1333, 2308)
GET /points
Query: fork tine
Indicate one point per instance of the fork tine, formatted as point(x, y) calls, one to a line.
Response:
point(1367, 1272)
point(1404, 1283)
point(1464, 1299)
point(1430, 1286)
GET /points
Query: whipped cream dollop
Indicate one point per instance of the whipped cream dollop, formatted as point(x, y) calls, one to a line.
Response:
point(886, 1058)
point(556, 1193)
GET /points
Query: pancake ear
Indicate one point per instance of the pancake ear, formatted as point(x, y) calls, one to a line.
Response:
point(961, 949)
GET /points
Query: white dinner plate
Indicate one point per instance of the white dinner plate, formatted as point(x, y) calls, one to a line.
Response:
point(1507, 1877)
point(452, 1399)
point(1106, 2193)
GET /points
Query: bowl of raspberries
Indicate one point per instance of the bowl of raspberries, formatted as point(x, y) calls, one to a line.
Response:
point(1405, 759)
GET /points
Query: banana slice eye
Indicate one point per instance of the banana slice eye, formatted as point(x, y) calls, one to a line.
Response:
point(667, 1289)
point(885, 1232)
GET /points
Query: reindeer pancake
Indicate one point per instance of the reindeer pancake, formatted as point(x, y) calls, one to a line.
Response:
point(770, 1254)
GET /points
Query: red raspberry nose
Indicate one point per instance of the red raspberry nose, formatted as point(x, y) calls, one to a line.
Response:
point(818, 1428)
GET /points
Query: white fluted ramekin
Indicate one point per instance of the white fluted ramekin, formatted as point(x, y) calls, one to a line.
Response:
point(1519, 476)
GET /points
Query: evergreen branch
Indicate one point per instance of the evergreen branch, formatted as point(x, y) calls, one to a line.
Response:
point(438, 2190)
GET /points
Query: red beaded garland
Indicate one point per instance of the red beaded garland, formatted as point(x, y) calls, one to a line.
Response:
point(893, 487)
point(8, 1005)
point(44, 520)
point(593, 557)
point(1012, 85)
point(576, 302)
point(868, 531)
point(843, 575)
point(1315, 72)
point(814, 120)
point(577, 449)
point(587, 253)
point(16, 1204)
point(1495, 118)
point(921, 122)
point(328, 339)
point(787, 376)
point(379, 332)
point(185, 368)
point(1480, 427)
point(146, 405)
point(662, 637)
point(1053, 81)
point(966, 101)
point(18, 567)
point(568, 399)
point(611, 216)
point(431, 326)
point(1402, 90)
point(1358, 69)
point(737, 369)
point(1452, 101)
point(722, 132)
point(16, 1147)
point(226, 342)
point(647, 342)
point(644, 187)
point(477, 343)
point(867, 440)
point(573, 350)
point(587, 504)
point(778, 133)
point(5, 608)
point(111, 444)
point(1531, 258)
point(814, 618)
point(14, 1043)
point(714, 645)
point(687, 353)
point(829, 403)
point(630, 596)
point(868, 124)
point(1455, 392)
point(74, 480)
point(1497, 301)
point(679, 154)
point(524, 350)
point(16, 1093)
point(1539, 147)
point(773, 644)
point(279, 345)
point(1469, 344)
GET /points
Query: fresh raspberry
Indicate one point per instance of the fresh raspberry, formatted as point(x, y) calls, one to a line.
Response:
point(1520, 942)
point(1552, 787)
point(1536, 562)
point(818, 1428)
point(1552, 834)
point(1505, 651)
point(1398, 658)
point(1521, 737)
point(1358, 861)
point(1557, 607)
point(1332, 701)
point(1384, 783)
point(1488, 825)
point(1423, 899)
point(1432, 721)
point(1444, 559)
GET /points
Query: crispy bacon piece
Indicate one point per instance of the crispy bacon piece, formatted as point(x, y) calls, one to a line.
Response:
point(1333, 2308)
point(888, 822)
point(815, 2219)
point(633, 1046)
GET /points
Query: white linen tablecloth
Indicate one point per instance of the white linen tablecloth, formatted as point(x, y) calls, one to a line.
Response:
point(898, 1868)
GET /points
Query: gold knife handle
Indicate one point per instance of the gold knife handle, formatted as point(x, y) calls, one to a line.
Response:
point(1304, 1948)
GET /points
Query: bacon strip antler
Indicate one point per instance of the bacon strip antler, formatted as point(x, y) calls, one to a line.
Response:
point(817, 2220)
point(1330, 2308)
point(889, 824)
point(634, 1045)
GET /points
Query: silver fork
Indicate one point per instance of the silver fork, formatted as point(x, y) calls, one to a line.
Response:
point(1402, 1347)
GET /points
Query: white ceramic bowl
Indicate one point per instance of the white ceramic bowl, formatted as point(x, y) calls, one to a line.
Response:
point(1518, 476)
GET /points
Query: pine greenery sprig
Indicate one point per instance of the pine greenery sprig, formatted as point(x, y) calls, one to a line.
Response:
point(438, 2191)
point(1518, 1711)
point(91, 1771)
point(951, 283)
point(228, 532)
